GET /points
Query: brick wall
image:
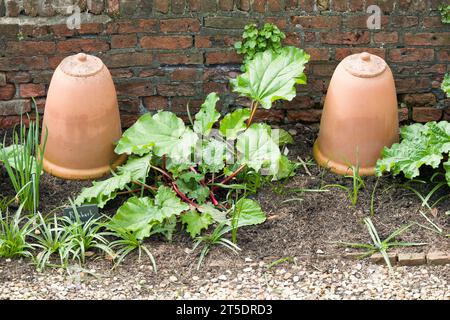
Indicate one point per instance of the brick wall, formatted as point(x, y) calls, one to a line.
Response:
point(164, 54)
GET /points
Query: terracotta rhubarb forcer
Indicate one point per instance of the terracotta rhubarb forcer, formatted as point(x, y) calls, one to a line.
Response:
point(82, 120)
point(359, 117)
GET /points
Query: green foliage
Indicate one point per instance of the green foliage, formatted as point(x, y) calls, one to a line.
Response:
point(175, 170)
point(256, 40)
point(426, 144)
point(272, 76)
point(14, 232)
point(446, 85)
point(445, 13)
point(23, 163)
point(216, 238)
point(380, 246)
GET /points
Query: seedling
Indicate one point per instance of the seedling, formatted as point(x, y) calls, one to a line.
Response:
point(381, 246)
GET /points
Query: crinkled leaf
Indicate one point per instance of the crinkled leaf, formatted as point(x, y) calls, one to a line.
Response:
point(233, 123)
point(272, 76)
point(136, 215)
point(164, 132)
point(140, 215)
point(101, 192)
point(213, 156)
point(282, 137)
point(168, 204)
point(189, 184)
point(286, 168)
point(217, 215)
point(256, 148)
point(420, 145)
point(248, 212)
point(196, 222)
point(207, 116)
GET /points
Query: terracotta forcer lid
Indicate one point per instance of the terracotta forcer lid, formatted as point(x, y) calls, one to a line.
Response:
point(364, 65)
point(81, 65)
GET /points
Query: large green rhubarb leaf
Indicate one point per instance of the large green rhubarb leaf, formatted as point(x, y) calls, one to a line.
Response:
point(207, 116)
point(233, 123)
point(420, 145)
point(272, 76)
point(164, 132)
point(196, 222)
point(140, 215)
point(257, 148)
point(248, 212)
point(101, 192)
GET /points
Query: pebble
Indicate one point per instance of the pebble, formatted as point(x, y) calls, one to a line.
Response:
point(173, 279)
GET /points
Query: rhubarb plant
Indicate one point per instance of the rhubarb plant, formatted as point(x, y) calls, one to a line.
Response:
point(182, 173)
point(422, 144)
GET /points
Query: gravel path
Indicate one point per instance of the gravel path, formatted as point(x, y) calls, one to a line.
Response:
point(332, 279)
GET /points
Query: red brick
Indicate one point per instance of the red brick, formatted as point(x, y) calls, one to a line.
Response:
point(290, 4)
point(29, 90)
point(292, 39)
point(121, 73)
point(420, 99)
point(280, 22)
point(30, 48)
point(155, 103)
point(356, 5)
point(427, 39)
point(195, 5)
point(123, 41)
point(426, 114)
point(433, 22)
point(299, 102)
point(134, 89)
point(61, 30)
point(410, 85)
point(243, 5)
point(128, 119)
point(185, 74)
point(172, 90)
point(7, 92)
point(114, 6)
point(312, 115)
point(317, 22)
point(14, 107)
point(180, 104)
point(181, 25)
point(340, 5)
point(218, 87)
point(306, 5)
point(259, 5)
point(215, 41)
point(360, 22)
point(341, 53)
point(318, 54)
point(133, 26)
point(153, 72)
point(272, 115)
point(386, 37)
point(226, 5)
point(161, 6)
point(345, 37)
point(178, 6)
point(411, 5)
point(82, 45)
point(130, 59)
point(399, 22)
point(443, 55)
point(130, 105)
point(324, 69)
point(90, 28)
point(34, 31)
point(411, 55)
point(275, 5)
point(403, 114)
point(166, 42)
point(222, 57)
point(180, 58)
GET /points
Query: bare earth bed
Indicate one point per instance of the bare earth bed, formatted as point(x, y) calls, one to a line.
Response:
point(302, 231)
